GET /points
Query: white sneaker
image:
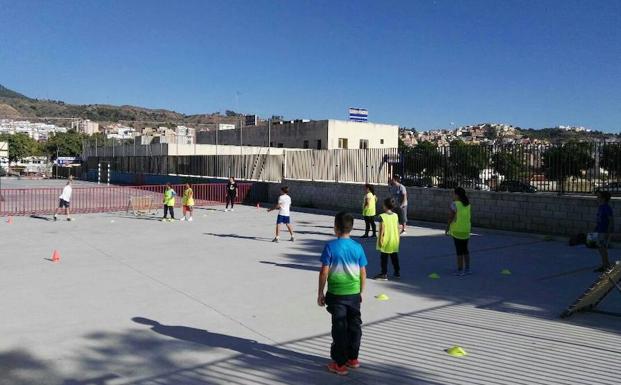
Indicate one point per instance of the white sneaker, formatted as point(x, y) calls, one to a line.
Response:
point(182, 219)
point(190, 220)
point(225, 210)
point(232, 209)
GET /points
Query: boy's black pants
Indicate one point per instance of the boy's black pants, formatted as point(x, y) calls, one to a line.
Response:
point(369, 223)
point(346, 326)
point(170, 209)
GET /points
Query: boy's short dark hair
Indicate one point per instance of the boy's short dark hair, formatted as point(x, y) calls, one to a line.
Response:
point(605, 195)
point(285, 189)
point(343, 222)
point(389, 203)
point(396, 178)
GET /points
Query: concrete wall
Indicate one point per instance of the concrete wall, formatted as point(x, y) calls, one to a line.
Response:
point(535, 213)
point(355, 131)
point(294, 135)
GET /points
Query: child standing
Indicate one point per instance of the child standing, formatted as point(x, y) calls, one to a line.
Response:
point(368, 210)
point(169, 202)
point(284, 212)
point(459, 228)
point(343, 266)
point(188, 202)
point(231, 193)
point(64, 200)
point(388, 240)
point(605, 225)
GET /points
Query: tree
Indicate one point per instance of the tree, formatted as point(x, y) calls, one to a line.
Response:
point(422, 159)
point(563, 161)
point(64, 144)
point(231, 113)
point(468, 160)
point(611, 158)
point(20, 146)
point(508, 163)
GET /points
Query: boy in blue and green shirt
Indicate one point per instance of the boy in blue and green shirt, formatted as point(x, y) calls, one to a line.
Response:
point(343, 267)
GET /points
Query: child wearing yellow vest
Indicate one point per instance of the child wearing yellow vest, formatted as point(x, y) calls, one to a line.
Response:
point(188, 202)
point(368, 210)
point(388, 240)
point(169, 203)
point(459, 228)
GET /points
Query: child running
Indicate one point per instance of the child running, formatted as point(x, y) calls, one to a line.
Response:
point(459, 228)
point(284, 211)
point(231, 193)
point(603, 228)
point(343, 266)
point(388, 240)
point(368, 210)
point(64, 200)
point(169, 203)
point(188, 202)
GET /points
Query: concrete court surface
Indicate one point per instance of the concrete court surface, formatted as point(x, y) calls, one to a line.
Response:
point(138, 301)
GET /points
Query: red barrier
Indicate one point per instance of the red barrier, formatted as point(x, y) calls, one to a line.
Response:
point(35, 201)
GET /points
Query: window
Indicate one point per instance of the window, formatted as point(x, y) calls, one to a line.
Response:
point(319, 144)
point(343, 143)
point(381, 141)
point(280, 145)
point(306, 144)
point(364, 144)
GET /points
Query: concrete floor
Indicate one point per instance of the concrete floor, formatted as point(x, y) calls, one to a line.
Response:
point(138, 301)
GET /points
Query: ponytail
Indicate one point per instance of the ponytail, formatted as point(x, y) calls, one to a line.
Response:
point(461, 194)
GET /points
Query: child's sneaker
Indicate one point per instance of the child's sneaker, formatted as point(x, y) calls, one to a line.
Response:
point(225, 210)
point(232, 209)
point(275, 240)
point(292, 239)
point(190, 219)
point(459, 273)
point(55, 218)
point(381, 277)
point(354, 364)
point(397, 275)
point(182, 219)
point(338, 369)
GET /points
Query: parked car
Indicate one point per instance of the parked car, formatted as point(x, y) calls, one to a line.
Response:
point(474, 184)
point(417, 181)
point(612, 187)
point(516, 186)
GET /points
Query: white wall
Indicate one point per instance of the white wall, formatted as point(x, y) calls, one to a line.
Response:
point(355, 131)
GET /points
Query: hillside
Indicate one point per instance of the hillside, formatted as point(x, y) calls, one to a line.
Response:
point(15, 105)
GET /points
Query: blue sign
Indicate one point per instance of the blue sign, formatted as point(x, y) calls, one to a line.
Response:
point(358, 115)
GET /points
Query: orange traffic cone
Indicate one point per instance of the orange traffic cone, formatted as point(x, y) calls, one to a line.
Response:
point(10, 220)
point(56, 256)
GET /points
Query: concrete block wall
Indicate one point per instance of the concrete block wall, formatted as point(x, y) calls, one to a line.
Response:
point(533, 213)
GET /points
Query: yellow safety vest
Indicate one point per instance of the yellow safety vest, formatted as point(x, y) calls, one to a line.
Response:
point(460, 227)
point(188, 197)
point(391, 239)
point(369, 211)
point(169, 197)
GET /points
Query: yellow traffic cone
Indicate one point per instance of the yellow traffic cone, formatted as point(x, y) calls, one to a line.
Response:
point(505, 272)
point(382, 297)
point(456, 351)
point(434, 276)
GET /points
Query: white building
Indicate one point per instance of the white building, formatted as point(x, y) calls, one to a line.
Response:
point(86, 126)
point(37, 131)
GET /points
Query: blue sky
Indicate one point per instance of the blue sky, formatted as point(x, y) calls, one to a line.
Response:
point(414, 63)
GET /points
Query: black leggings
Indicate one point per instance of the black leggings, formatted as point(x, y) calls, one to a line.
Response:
point(394, 258)
point(463, 255)
point(167, 209)
point(369, 223)
point(230, 199)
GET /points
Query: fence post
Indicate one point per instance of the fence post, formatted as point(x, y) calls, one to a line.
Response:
point(108, 176)
point(99, 173)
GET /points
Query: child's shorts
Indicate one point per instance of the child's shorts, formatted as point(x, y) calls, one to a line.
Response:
point(187, 208)
point(283, 219)
point(63, 204)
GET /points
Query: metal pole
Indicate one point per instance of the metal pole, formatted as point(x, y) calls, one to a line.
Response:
point(99, 173)
point(241, 135)
point(269, 133)
point(108, 179)
point(95, 146)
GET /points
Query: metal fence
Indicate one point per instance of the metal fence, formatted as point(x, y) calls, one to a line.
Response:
point(43, 201)
point(568, 168)
point(353, 166)
point(259, 167)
